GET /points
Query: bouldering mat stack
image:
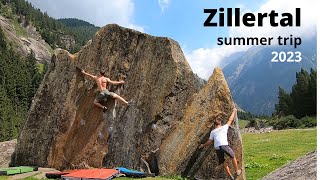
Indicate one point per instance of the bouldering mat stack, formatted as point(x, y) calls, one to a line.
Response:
point(86, 174)
point(17, 170)
point(132, 173)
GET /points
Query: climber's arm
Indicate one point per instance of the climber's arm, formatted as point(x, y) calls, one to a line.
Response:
point(89, 75)
point(210, 141)
point(231, 118)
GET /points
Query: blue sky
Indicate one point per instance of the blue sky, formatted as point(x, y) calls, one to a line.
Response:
point(182, 20)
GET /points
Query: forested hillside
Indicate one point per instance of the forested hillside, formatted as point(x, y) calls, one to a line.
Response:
point(19, 80)
point(54, 32)
point(81, 30)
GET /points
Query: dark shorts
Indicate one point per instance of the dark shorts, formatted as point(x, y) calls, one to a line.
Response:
point(224, 150)
point(103, 95)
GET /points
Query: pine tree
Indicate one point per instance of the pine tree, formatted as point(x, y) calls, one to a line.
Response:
point(313, 91)
point(285, 103)
point(302, 99)
point(300, 94)
point(19, 80)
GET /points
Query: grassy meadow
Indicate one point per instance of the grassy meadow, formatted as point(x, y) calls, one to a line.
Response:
point(266, 152)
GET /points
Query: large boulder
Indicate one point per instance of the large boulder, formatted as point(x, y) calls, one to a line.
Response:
point(180, 148)
point(65, 130)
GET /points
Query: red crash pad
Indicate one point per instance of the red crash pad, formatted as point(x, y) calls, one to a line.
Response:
point(104, 174)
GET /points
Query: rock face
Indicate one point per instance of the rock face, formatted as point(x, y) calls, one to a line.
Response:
point(68, 41)
point(25, 45)
point(170, 108)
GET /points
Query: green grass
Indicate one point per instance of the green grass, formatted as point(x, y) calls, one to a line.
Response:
point(266, 152)
point(27, 178)
point(20, 31)
point(40, 68)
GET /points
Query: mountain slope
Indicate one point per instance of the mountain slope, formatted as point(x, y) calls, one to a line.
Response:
point(73, 22)
point(54, 32)
point(29, 42)
point(81, 30)
point(254, 79)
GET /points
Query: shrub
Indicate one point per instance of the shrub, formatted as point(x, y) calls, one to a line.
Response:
point(286, 122)
point(309, 121)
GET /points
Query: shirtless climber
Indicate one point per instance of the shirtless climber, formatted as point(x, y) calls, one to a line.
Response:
point(102, 83)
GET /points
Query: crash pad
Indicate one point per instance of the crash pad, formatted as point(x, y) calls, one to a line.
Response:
point(83, 174)
point(132, 173)
point(17, 170)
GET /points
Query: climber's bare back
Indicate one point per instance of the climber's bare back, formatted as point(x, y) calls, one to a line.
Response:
point(102, 83)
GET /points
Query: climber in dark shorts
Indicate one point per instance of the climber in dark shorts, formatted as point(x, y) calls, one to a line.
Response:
point(102, 83)
point(219, 136)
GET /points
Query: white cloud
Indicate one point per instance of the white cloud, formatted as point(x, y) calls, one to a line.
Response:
point(98, 12)
point(136, 27)
point(204, 60)
point(164, 4)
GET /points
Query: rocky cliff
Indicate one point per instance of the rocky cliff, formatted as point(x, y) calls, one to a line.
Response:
point(30, 41)
point(170, 110)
